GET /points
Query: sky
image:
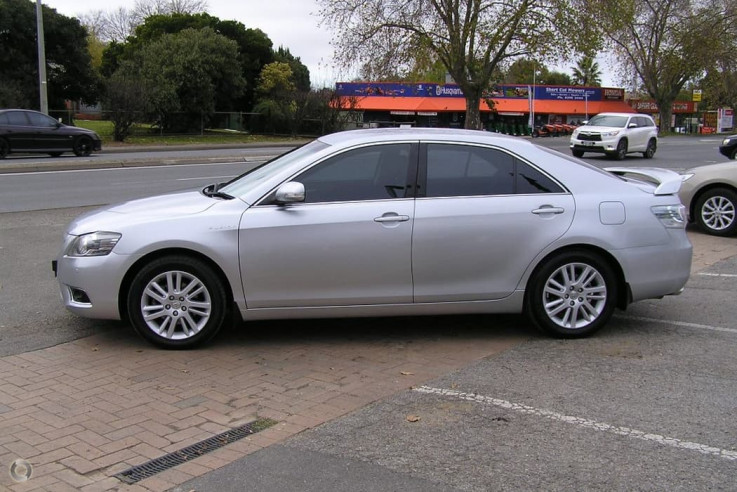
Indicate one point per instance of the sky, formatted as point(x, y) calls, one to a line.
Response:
point(293, 24)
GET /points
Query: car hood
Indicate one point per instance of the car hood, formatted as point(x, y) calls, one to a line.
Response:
point(727, 169)
point(170, 206)
point(598, 129)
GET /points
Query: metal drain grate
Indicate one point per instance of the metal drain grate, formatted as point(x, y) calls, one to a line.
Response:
point(150, 468)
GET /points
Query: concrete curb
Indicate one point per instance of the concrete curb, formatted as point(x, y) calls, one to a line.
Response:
point(107, 159)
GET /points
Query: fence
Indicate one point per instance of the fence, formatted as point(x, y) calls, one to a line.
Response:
point(183, 123)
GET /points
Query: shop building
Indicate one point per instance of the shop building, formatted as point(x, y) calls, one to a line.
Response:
point(506, 108)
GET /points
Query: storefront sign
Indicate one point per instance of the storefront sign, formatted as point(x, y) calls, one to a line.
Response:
point(542, 92)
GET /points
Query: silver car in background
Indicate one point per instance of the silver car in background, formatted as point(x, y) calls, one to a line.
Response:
point(384, 222)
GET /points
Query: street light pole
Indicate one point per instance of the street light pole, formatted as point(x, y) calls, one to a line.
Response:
point(41, 59)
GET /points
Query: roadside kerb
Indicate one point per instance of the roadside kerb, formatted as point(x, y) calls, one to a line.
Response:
point(108, 159)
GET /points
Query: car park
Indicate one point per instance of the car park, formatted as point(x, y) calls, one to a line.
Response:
point(710, 195)
point(616, 135)
point(729, 147)
point(25, 131)
point(384, 222)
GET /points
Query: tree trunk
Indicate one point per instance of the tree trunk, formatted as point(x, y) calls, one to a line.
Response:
point(666, 110)
point(473, 114)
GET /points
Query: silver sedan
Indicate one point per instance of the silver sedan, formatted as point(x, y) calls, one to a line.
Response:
point(384, 222)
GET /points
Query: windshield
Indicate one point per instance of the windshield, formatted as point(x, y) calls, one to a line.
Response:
point(254, 177)
point(608, 120)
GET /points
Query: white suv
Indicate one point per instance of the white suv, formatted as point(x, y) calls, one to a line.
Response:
point(616, 135)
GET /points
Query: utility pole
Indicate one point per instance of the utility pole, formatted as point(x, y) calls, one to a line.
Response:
point(41, 59)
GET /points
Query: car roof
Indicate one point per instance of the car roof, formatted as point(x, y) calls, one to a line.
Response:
point(623, 114)
point(356, 137)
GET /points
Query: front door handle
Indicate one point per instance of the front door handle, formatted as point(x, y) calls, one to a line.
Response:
point(547, 209)
point(392, 218)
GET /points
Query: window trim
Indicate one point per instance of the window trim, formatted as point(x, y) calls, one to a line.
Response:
point(422, 173)
point(412, 176)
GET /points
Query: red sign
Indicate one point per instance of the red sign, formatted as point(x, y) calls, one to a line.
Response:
point(643, 106)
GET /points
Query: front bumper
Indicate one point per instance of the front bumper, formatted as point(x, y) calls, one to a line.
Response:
point(602, 147)
point(90, 286)
point(727, 150)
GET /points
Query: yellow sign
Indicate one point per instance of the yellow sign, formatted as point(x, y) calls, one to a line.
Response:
point(697, 95)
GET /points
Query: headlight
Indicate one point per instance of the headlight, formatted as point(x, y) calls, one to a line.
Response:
point(575, 133)
point(686, 177)
point(610, 134)
point(93, 244)
point(726, 141)
point(671, 216)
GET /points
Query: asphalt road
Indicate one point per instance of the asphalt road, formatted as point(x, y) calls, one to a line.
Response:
point(646, 404)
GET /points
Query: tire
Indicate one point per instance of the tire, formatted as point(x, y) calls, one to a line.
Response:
point(652, 146)
point(551, 307)
point(733, 154)
point(4, 148)
point(716, 212)
point(184, 299)
point(55, 154)
point(577, 153)
point(82, 146)
point(621, 151)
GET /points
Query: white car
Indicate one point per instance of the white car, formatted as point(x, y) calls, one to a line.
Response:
point(616, 135)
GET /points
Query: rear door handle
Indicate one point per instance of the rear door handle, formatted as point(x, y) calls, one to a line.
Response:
point(548, 210)
point(392, 218)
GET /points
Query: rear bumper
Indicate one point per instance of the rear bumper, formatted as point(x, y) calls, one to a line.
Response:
point(657, 271)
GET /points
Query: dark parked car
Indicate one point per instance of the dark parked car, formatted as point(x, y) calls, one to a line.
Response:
point(729, 147)
point(30, 131)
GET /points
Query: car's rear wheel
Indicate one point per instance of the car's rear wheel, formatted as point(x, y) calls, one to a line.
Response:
point(716, 212)
point(177, 302)
point(573, 294)
point(652, 146)
point(4, 148)
point(55, 154)
point(621, 151)
point(577, 153)
point(83, 146)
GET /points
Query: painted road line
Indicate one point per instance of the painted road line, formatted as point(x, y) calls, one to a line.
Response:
point(207, 177)
point(582, 422)
point(726, 275)
point(678, 323)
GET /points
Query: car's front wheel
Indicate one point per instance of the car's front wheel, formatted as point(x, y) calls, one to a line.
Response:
point(715, 212)
point(4, 148)
point(652, 146)
point(621, 151)
point(573, 294)
point(177, 302)
point(577, 153)
point(83, 146)
point(733, 154)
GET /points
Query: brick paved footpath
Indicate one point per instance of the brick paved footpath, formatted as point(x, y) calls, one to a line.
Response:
point(83, 411)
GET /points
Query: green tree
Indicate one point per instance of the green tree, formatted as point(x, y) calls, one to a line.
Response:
point(276, 92)
point(254, 46)
point(470, 37)
point(69, 71)
point(665, 43)
point(300, 73)
point(586, 72)
point(193, 72)
point(127, 98)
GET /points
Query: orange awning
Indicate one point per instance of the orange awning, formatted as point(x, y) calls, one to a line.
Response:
point(457, 104)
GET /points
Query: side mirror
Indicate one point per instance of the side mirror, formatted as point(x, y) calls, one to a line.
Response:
point(585, 122)
point(292, 192)
point(632, 125)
